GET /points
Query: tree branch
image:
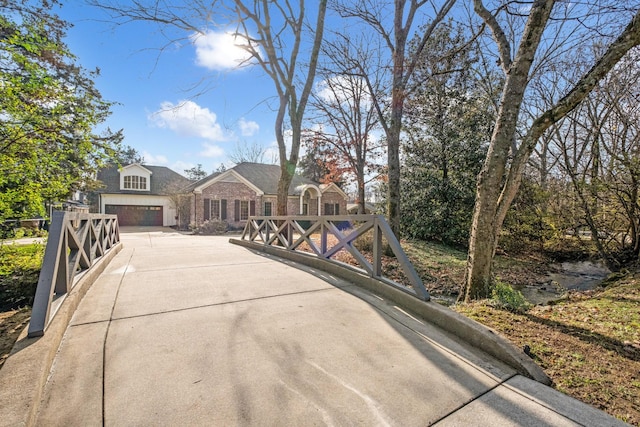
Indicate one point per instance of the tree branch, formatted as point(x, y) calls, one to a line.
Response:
point(504, 47)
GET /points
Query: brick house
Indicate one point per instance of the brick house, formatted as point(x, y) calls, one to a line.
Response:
point(250, 189)
point(139, 194)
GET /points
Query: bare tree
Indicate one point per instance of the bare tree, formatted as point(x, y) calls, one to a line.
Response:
point(508, 155)
point(345, 118)
point(395, 36)
point(243, 152)
point(599, 144)
point(293, 86)
point(276, 35)
point(180, 200)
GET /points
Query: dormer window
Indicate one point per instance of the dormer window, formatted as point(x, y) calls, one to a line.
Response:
point(134, 182)
point(135, 177)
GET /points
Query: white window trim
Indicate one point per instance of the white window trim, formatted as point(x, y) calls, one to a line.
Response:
point(244, 203)
point(140, 177)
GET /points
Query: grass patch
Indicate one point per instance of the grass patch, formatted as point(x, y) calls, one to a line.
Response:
point(19, 269)
point(440, 267)
point(589, 343)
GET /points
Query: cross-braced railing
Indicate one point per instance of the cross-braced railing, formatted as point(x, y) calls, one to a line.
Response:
point(328, 236)
point(76, 241)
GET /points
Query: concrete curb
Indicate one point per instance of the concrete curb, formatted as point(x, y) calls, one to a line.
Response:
point(25, 372)
point(468, 330)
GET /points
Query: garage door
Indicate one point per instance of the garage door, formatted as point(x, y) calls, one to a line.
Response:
point(136, 215)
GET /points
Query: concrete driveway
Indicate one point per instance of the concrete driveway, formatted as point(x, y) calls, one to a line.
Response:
point(192, 330)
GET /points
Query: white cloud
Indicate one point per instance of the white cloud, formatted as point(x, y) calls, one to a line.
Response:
point(187, 118)
point(272, 154)
point(180, 166)
point(248, 128)
point(219, 51)
point(154, 160)
point(211, 150)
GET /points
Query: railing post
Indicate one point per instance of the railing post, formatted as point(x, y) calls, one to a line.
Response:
point(49, 275)
point(377, 248)
point(289, 233)
point(323, 237)
point(69, 248)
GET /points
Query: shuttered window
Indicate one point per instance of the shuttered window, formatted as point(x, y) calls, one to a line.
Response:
point(332, 209)
point(242, 209)
point(328, 208)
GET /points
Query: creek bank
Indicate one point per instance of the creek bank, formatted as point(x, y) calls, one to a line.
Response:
point(566, 276)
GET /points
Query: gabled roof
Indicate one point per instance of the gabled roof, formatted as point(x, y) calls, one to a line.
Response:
point(201, 182)
point(334, 187)
point(161, 177)
point(136, 165)
point(262, 177)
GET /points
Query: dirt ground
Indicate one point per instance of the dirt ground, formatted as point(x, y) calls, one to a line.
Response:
point(11, 325)
point(588, 343)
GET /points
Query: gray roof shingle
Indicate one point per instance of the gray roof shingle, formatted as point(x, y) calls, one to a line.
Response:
point(161, 178)
point(263, 176)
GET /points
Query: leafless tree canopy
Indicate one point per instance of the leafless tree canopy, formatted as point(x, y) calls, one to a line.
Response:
point(244, 152)
point(395, 24)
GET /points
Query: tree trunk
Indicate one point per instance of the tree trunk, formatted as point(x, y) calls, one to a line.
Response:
point(361, 194)
point(487, 217)
point(393, 162)
point(487, 222)
point(395, 122)
point(286, 175)
point(484, 235)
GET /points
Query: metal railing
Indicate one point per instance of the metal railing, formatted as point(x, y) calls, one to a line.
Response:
point(327, 236)
point(76, 241)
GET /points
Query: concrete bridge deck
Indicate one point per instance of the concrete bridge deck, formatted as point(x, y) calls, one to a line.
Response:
point(192, 330)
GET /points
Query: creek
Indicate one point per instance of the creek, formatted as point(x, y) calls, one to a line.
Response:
point(573, 275)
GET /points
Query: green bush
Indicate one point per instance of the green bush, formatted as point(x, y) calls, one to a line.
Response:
point(19, 270)
point(364, 244)
point(29, 232)
point(505, 297)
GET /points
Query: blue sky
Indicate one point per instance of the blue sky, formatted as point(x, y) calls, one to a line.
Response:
point(163, 107)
